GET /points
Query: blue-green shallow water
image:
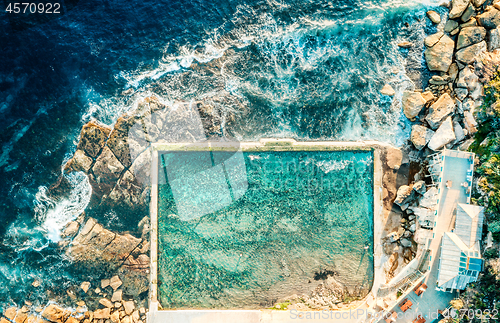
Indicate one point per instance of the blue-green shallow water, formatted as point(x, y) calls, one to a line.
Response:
point(302, 213)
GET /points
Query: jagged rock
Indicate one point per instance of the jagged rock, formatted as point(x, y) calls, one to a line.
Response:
point(115, 282)
point(434, 16)
point(388, 90)
point(405, 44)
point(102, 313)
point(115, 317)
point(93, 138)
point(478, 3)
point(135, 282)
point(470, 35)
point(444, 135)
point(468, 79)
point(85, 286)
point(106, 302)
point(468, 13)
point(128, 307)
point(490, 19)
point(433, 39)
point(117, 296)
point(79, 162)
point(107, 169)
point(437, 80)
point(10, 313)
point(458, 7)
point(471, 23)
point(470, 122)
point(440, 110)
point(405, 243)
point(127, 190)
point(21, 315)
point(450, 25)
point(420, 136)
point(493, 39)
point(419, 187)
point(461, 93)
point(404, 195)
point(413, 102)
point(70, 230)
point(104, 283)
point(428, 96)
point(439, 57)
point(466, 55)
point(459, 132)
point(413, 227)
point(135, 316)
point(55, 313)
point(453, 71)
point(98, 247)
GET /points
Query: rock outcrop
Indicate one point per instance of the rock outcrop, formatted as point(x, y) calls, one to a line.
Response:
point(413, 103)
point(420, 136)
point(470, 35)
point(466, 55)
point(440, 110)
point(443, 136)
point(439, 56)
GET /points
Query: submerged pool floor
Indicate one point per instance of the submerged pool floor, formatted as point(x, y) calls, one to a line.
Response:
point(264, 229)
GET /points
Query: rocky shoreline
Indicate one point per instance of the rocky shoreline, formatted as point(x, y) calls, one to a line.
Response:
point(464, 54)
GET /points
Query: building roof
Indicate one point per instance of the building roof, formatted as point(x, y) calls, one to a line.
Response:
point(459, 265)
point(469, 223)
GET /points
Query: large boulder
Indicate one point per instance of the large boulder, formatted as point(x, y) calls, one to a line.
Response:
point(432, 40)
point(93, 137)
point(55, 313)
point(404, 196)
point(429, 200)
point(490, 19)
point(458, 7)
point(478, 3)
point(80, 162)
point(97, 247)
point(106, 172)
point(420, 136)
point(470, 35)
point(413, 102)
point(439, 57)
point(466, 55)
point(440, 110)
point(493, 39)
point(470, 122)
point(469, 12)
point(467, 79)
point(444, 135)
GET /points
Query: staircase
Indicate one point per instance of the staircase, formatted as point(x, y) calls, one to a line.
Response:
point(402, 284)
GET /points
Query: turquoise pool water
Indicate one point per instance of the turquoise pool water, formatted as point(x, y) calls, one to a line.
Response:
point(262, 230)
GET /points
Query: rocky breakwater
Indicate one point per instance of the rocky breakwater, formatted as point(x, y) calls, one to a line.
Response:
point(444, 111)
point(462, 55)
point(90, 245)
point(115, 308)
point(117, 160)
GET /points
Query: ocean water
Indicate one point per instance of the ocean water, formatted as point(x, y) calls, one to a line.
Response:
point(289, 217)
point(302, 69)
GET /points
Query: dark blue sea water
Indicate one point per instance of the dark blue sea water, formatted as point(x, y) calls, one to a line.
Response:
point(303, 69)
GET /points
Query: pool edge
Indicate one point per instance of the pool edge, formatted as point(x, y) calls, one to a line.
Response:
point(267, 144)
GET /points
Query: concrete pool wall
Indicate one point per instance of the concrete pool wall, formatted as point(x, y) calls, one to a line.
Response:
point(157, 315)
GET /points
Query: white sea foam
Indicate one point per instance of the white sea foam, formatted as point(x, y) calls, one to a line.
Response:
point(53, 214)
